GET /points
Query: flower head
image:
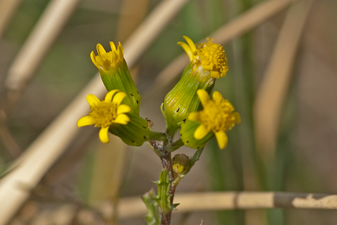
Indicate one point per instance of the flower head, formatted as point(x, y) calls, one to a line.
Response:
point(105, 113)
point(217, 117)
point(108, 60)
point(115, 73)
point(209, 56)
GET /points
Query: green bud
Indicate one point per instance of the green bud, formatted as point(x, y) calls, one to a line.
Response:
point(181, 163)
point(182, 99)
point(115, 73)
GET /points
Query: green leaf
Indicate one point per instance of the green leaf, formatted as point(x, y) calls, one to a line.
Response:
point(163, 197)
point(153, 215)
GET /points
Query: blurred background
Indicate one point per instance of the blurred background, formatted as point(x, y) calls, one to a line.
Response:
point(282, 79)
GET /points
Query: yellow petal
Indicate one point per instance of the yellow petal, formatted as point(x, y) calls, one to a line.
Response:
point(194, 116)
point(122, 119)
point(123, 109)
point(203, 96)
point(119, 98)
point(103, 134)
point(112, 46)
point(93, 59)
point(120, 47)
point(222, 139)
point(217, 97)
point(85, 121)
point(92, 99)
point(190, 43)
point(215, 74)
point(200, 132)
point(237, 117)
point(187, 50)
point(120, 51)
point(100, 49)
point(109, 95)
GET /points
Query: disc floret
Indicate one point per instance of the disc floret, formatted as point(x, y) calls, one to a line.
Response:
point(209, 56)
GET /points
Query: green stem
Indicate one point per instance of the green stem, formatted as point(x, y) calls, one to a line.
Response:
point(175, 145)
point(167, 164)
point(158, 136)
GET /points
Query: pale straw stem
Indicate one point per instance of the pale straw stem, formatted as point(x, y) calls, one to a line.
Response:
point(47, 148)
point(274, 88)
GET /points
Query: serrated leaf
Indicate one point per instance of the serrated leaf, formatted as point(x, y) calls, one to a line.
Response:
point(153, 215)
point(163, 197)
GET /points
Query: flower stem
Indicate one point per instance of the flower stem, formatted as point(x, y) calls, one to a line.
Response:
point(167, 164)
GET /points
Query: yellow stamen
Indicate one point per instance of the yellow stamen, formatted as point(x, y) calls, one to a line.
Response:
point(217, 116)
point(106, 112)
point(210, 56)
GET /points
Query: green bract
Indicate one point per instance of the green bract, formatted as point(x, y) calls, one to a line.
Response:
point(115, 73)
point(187, 135)
point(135, 133)
point(183, 99)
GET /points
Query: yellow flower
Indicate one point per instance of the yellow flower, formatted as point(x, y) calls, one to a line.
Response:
point(105, 113)
point(107, 60)
point(115, 73)
point(217, 117)
point(211, 57)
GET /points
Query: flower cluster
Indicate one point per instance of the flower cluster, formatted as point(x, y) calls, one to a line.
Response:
point(118, 113)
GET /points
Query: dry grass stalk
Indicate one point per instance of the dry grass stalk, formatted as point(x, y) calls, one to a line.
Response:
point(47, 148)
point(109, 159)
point(228, 32)
point(7, 9)
point(133, 207)
point(273, 90)
point(39, 42)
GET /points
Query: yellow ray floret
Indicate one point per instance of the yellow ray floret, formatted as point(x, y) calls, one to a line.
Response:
point(107, 60)
point(105, 113)
point(217, 116)
point(210, 56)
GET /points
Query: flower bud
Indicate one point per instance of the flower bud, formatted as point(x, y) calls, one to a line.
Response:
point(181, 163)
point(115, 73)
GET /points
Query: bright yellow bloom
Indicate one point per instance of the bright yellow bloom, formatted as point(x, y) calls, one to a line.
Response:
point(209, 56)
point(105, 113)
point(217, 116)
point(107, 60)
